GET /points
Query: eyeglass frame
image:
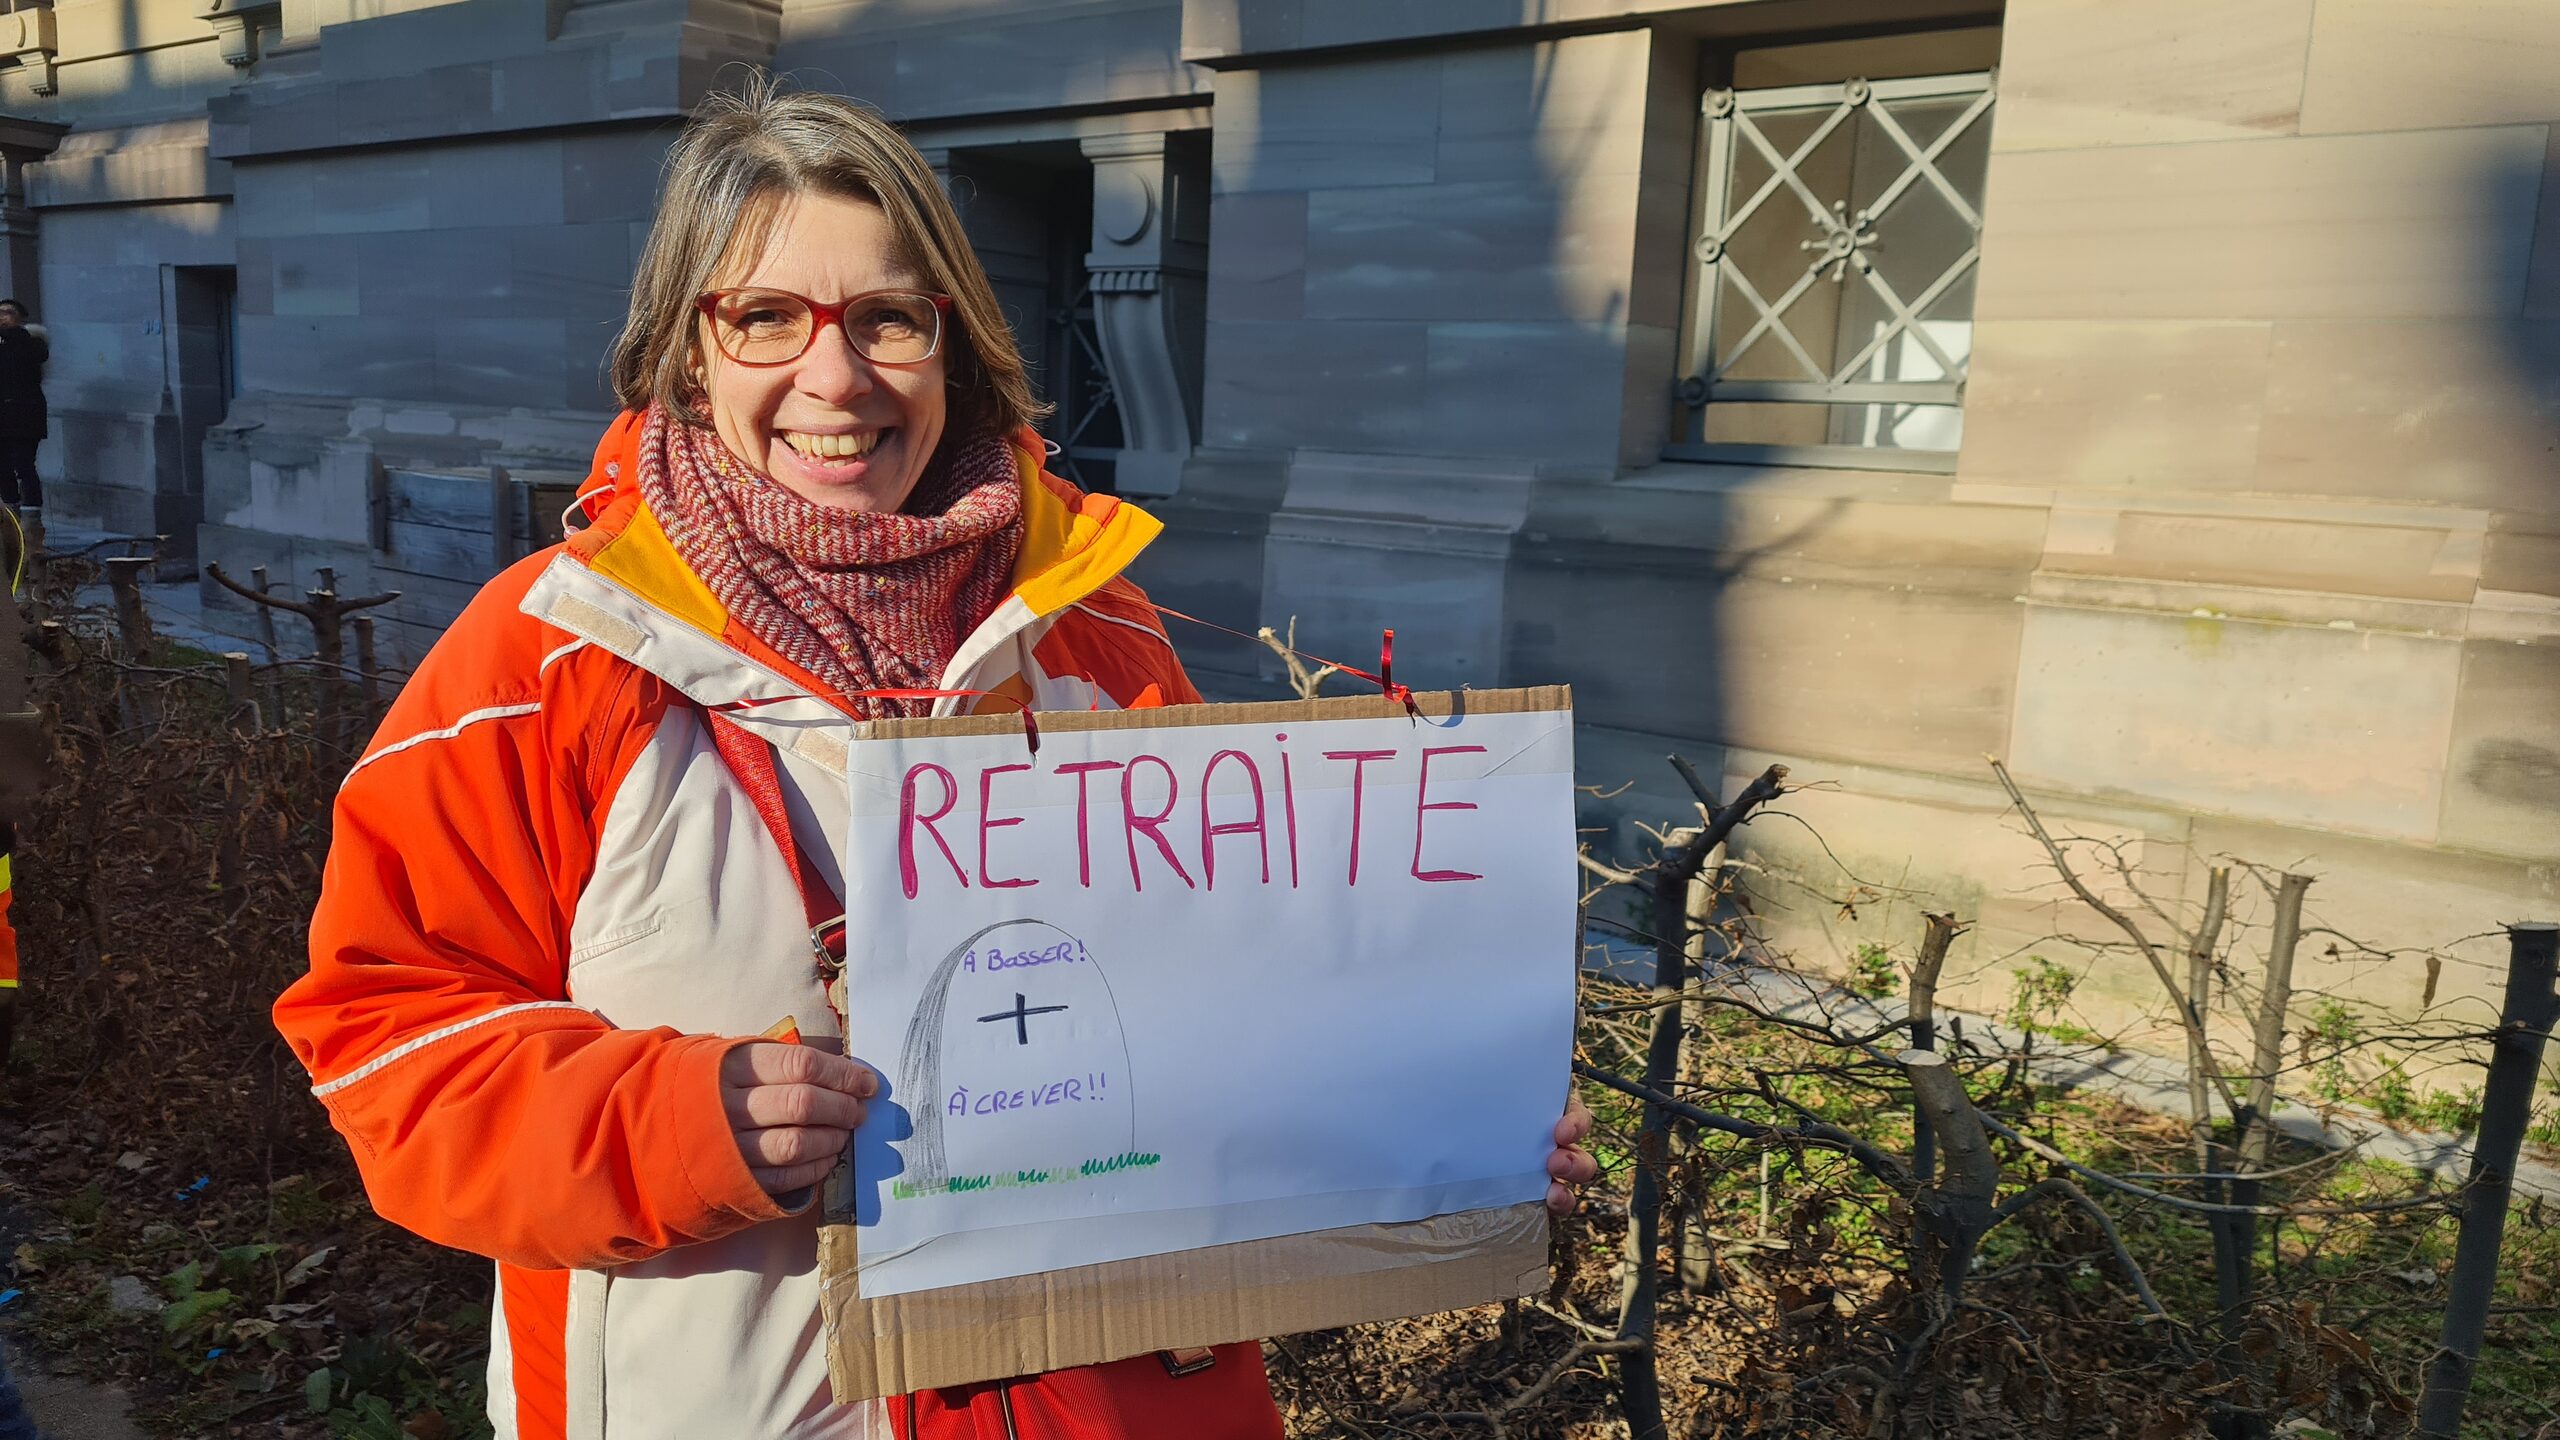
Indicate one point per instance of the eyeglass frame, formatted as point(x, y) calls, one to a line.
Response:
point(821, 315)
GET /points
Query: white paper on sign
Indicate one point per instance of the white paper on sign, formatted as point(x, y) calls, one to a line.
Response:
point(1177, 986)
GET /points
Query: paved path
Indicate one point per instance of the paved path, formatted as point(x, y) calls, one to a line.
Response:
point(68, 1409)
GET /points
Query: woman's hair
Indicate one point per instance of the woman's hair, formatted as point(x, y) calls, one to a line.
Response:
point(727, 180)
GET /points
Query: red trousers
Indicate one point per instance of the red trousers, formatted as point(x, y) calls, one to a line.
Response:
point(1134, 1399)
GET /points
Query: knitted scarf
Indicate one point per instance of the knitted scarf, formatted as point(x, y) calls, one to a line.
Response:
point(861, 601)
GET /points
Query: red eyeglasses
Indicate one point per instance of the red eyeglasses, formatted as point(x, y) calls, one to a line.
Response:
point(775, 327)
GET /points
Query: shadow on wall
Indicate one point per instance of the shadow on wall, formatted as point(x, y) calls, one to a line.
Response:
point(2503, 775)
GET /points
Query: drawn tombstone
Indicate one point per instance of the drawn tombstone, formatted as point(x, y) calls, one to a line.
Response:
point(1015, 1066)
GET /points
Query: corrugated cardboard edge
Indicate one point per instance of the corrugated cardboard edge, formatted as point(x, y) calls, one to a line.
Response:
point(1030, 1324)
point(1094, 1313)
point(1434, 705)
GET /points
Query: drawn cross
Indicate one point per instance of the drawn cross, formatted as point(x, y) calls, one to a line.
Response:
point(1020, 1015)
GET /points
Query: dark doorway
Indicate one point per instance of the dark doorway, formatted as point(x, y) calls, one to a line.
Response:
point(204, 373)
point(1029, 212)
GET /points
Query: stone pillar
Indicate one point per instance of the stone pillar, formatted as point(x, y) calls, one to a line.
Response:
point(22, 143)
point(1149, 268)
point(18, 250)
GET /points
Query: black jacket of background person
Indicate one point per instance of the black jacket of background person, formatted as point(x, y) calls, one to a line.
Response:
point(22, 356)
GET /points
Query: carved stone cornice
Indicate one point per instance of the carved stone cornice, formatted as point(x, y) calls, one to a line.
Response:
point(24, 141)
point(238, 23)
point(27, 36)
point(1148, 274)
point(1125, 279)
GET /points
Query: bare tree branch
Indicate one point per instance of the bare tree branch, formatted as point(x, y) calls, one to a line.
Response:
point(2150, 952)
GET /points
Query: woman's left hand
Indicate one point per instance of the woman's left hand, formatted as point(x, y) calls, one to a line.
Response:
point(1571, 1167)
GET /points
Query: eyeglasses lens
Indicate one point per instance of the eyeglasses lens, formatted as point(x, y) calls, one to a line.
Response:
point(769, 327)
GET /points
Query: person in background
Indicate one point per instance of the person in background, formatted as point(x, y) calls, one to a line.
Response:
point(23, 351)
point(571, 881)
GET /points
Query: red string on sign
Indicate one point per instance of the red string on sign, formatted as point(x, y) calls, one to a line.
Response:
point(1384, 679)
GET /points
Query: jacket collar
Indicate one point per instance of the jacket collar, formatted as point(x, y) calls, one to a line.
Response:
point(620, 584)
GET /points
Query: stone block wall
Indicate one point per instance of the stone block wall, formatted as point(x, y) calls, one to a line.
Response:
point(445, 307)
point(115, 452)
point(1419, 311)
point(458, 274)
point(131, 191)
point(438, 208)
point(919, 61)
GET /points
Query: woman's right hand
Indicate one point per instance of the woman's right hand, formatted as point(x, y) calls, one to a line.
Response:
point(791, 1109)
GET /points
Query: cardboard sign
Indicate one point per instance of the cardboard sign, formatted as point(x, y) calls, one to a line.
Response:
point(1203, 1024)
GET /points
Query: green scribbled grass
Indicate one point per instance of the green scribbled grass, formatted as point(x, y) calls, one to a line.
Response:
point(1018, 1179)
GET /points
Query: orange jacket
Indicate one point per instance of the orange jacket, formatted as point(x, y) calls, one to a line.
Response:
point(549, 911)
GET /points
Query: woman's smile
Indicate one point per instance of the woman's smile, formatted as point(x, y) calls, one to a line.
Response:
point(832, 446)
point(836, 462)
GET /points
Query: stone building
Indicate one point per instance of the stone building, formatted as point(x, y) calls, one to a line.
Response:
point(2161, 396)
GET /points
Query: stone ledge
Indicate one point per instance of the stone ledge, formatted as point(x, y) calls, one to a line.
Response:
point(308, 118)
point(1236, 34)
point(2493, 615)
point(133, 165)
point(480, 67)
point(2315, 508)
point(1872, 530)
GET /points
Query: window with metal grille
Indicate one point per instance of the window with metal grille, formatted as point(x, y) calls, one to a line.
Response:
point(1836, 231)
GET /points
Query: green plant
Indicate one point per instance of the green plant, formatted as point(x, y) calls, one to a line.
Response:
point(2336, 1028)
point(2546, 1130)
point(2041, 991)
point(366, 1417)
point(1872, 972)
point(377, 1392)
point(191, 1302)
point(301, 1203)
point(2393, 1097)
point(2458, 1112)
point(2335, 1025)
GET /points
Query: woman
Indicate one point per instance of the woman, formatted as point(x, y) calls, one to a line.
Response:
point(23, 351)
point(555, 916)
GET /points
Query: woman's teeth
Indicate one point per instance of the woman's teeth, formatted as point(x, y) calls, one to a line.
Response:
point(832, 447)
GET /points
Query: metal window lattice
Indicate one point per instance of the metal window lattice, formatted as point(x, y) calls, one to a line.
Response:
point(1838, 248)
point(1087, 422)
